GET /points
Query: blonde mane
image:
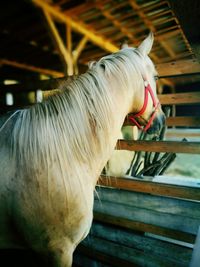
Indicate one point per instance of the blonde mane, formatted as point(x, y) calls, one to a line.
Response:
point(71, 127)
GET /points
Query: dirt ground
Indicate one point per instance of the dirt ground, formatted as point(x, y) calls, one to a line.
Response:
point(185, 165)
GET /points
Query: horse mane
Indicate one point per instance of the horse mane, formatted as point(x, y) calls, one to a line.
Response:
point(71, 126)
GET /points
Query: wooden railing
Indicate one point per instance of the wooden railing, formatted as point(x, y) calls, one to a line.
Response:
point(135, 208)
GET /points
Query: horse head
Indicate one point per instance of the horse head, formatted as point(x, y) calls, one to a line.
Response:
point(147, 113)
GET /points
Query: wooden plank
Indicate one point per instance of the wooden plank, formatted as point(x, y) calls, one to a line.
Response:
point(78, 27)
point(141, 241)
point(176, 121)
point(103, 257)
point(180, 98)
point(179, 133)
point(159, 204)
point(187, 66)
point(24, 66)
point(82, 260)
point(148, 216)
point(144, 227)
point(154, 188)
point(183, 121)
point(160, 146)
point(170, 213)
point(129, 255)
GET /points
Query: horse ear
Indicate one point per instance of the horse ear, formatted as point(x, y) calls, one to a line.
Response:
point(145, 47)
point(91, 64)
point(124, 45)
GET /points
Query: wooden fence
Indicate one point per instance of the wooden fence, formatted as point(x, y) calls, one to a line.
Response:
point(140, 222)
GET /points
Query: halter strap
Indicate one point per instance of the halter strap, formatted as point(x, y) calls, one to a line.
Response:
point(156, 104)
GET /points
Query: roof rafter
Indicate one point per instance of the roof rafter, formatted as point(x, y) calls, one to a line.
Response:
point(63, 52)
point(150, 25)
point(23, 66)
point(123, 29)
point(79, 27)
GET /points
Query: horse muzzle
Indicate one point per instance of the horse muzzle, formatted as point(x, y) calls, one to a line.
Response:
point(157, 124)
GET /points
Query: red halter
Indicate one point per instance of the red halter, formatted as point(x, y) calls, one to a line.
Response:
point(156, 104)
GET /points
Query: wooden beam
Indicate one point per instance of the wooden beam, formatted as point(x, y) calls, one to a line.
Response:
point(176, 121)
point(78, 27)
point(59, 44)
point(187, 66)
point(79, 48)
point(160, 146)
point(69, 38)
point(24, 66)
point(179, 133)
point(154, 188)
point(143, 227)
point(183, 121)
point(180, 98)
point(102, 257)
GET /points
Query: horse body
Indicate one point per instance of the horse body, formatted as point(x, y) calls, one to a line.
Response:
point(53, 153)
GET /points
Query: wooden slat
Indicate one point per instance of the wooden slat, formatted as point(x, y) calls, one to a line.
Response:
point(160, 189)
point(187, 66)
point(143, 202)
point(142, 242)
point(179, 133)
point(160, 146)
point(183, 121)
point(133, 253)
point(144, 227)
point(180, 98)
point(176, 121)
point(102, 257)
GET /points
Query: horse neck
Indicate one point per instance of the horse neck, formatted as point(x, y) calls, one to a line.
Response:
point(121, 104)
point(77, 129)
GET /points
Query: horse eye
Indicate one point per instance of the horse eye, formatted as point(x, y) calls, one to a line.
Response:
point(156, 77)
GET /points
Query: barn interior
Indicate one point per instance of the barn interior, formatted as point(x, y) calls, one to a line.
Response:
point(138, 222)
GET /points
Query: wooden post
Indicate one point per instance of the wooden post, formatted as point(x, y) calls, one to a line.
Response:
point(69, 38)
point(65, 55)
point(196, 252)
point(76, 53)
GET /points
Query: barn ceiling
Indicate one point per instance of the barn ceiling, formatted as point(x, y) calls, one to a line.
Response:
point(53, 36)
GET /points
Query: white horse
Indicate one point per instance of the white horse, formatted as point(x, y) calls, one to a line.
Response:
point(53, 153)
point(121, 160)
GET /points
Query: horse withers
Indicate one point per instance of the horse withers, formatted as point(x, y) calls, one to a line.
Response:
point(53, 152)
